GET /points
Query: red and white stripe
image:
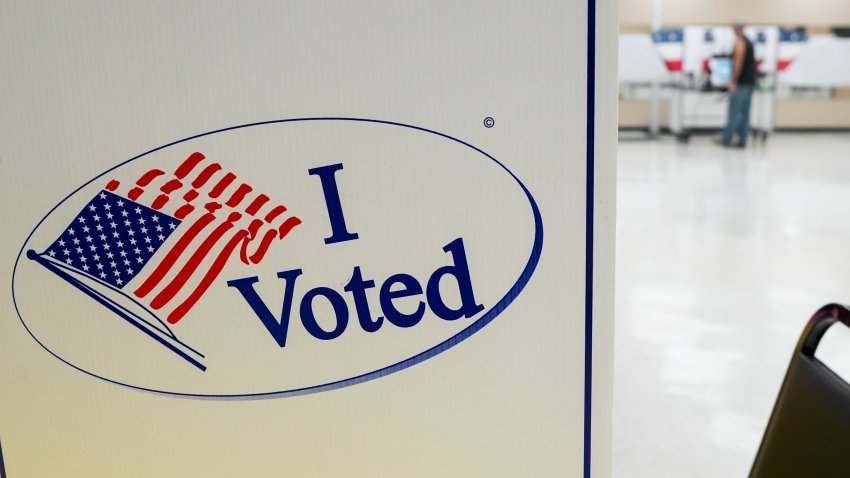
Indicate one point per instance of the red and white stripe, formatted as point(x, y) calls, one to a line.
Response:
point(221, 217)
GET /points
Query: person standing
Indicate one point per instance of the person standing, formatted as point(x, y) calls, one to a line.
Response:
point(741, 88)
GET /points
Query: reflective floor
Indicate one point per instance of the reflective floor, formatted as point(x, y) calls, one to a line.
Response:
point(722, 256)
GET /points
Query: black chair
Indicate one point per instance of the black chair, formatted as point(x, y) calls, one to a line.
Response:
point(808, 435)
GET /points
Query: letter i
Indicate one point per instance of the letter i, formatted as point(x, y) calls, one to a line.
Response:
point(327, 174)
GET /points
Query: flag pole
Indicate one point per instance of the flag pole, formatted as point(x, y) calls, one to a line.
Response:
point(168, 342)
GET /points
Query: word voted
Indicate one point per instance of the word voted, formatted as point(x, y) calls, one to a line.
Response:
point(397, 286)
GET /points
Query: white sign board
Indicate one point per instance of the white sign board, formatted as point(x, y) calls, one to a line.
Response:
point(306, 239)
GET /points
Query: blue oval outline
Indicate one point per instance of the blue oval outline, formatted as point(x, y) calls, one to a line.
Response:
point(489, 316)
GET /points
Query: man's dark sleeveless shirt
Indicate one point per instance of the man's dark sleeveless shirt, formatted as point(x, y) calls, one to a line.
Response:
point(748, 69)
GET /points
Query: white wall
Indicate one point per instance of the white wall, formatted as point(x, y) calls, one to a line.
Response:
point(812, 13)
point(816, 15)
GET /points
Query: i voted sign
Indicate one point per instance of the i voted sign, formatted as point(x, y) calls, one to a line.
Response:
point(278, 258)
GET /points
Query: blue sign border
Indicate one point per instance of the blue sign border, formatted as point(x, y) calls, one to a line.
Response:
point(2, 465)
point(589, 198)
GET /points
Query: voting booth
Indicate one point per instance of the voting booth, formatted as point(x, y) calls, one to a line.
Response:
point(307, 238)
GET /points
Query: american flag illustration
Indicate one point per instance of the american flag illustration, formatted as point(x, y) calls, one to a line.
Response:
point(151, 249)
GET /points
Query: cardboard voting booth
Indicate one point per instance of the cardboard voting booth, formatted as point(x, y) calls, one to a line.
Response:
point(310, 239)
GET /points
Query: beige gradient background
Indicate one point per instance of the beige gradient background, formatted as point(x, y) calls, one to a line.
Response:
point(85, 85)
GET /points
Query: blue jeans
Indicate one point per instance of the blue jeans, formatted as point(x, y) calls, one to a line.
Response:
point(738, 119)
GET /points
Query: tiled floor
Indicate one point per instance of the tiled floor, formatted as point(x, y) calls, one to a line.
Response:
point(722, 255)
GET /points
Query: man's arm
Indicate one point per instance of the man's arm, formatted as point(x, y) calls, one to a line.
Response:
point(737, 62)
